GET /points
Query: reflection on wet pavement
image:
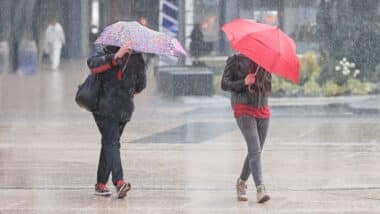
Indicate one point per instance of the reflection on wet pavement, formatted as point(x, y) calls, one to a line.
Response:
point(189, 133)
point(181, 155)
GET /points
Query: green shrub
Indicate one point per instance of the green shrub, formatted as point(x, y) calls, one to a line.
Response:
point(356, 87)
point(338, 71)
point(332, 89)
point(327, 72)
point(290, 88)
point(370, 87)
point(282, 87)
point(276, 85)
point(309, 67)
point(312, 88)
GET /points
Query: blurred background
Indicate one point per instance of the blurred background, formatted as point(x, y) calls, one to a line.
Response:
point(322, 151)
point(325, 31)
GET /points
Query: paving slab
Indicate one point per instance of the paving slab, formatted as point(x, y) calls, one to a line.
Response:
point(181, 155)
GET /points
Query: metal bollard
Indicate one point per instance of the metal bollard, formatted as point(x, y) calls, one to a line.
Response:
point(4, 56)
point(27, 57)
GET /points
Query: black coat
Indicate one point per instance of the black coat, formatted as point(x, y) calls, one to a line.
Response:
point(237, 68)
point(197, 45)
point(116, 96)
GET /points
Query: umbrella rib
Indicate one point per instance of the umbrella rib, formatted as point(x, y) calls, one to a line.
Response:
point(279, 45)
point(261, 42)
point(139, 38)
point(264, 44)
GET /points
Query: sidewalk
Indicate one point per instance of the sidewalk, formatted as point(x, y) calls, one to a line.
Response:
point(182, 155)
point(366, 104)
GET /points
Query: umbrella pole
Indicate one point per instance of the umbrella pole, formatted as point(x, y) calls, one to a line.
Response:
point(257, 69)
point(250, 89)
point(125, 64)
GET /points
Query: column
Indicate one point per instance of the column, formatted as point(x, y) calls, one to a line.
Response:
point(229, 11)
point(5, 34)
point(77, 32)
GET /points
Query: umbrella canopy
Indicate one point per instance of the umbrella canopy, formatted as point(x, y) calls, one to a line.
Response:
point(267, 45)
point(140, 39)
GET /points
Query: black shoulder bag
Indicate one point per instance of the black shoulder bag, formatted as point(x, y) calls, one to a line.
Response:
point(87, 95)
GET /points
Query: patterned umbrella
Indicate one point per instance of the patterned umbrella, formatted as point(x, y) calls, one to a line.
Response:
point(140, 39)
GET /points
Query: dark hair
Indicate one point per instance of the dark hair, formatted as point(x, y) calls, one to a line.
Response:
point(111, 48)
point(135, 61)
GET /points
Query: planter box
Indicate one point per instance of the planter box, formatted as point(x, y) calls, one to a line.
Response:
point(184, 80)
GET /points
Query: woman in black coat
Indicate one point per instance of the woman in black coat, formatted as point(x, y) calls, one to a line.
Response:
point(122, 75)
point(197, 43)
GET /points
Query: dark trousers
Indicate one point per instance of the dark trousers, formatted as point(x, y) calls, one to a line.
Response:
point(109, 161)
point(254, 131)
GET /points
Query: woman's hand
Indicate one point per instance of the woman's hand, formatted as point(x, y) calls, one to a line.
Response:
point(250, 79)
point(122, 52)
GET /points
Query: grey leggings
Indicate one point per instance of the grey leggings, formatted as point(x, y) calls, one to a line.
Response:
point(254, 131)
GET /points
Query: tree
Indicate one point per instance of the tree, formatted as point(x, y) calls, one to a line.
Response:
point(324, 28)
point(366, 45)
point(5, 17)
point(350, 29)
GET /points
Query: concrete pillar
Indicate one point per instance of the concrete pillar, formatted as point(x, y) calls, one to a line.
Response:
point(188, 27)
point(4, 56)
point(5, 34)
point(229, 11)
point(28, 19)
point(103, 13)
point(5, 19)
point(189, 21)
point(77, 32)
point(22, 44)
point(281, 14)
point(182, 27)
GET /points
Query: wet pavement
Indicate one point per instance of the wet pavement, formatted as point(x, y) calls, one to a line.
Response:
point(182, 155)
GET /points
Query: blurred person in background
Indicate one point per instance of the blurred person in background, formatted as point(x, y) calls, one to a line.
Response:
point(197, 45)
point(54, 41)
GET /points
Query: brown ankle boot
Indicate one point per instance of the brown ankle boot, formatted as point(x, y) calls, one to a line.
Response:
point(122, 189)
point(241, 190)
point(262, 196)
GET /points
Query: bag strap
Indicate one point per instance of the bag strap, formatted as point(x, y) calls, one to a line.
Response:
point(121, 71)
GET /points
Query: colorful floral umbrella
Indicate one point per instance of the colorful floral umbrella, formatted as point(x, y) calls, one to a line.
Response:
point(140, 39)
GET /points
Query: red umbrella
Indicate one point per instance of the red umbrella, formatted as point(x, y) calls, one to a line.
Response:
point(267, 45)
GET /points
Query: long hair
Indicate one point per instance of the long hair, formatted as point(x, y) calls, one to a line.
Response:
point(110, 48)
point(134, 62)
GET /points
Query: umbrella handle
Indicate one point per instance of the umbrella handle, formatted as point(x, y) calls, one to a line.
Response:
point(257, 69)
point(250, 88)
point(125, 64)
